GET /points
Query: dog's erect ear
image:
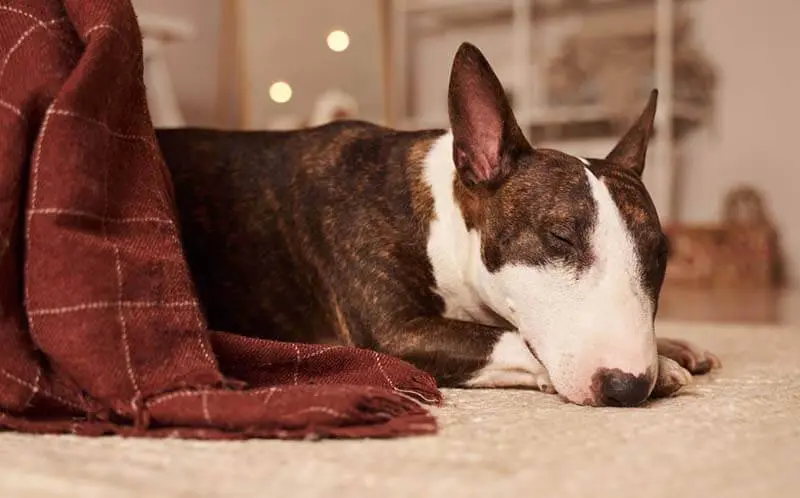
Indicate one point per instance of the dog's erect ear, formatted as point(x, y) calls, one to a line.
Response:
point(631, 150)
point(486, 136)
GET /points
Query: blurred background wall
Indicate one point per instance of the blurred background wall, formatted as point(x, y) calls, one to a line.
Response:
point(194, 65)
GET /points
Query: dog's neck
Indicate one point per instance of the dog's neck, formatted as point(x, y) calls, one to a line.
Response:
point(454, 246)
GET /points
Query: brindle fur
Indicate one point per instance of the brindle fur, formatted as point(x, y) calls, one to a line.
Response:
point(320, 235)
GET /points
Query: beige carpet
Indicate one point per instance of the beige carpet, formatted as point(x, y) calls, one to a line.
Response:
point(734, 434)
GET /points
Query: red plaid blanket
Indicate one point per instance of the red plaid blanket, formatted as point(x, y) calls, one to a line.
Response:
point(100, 329)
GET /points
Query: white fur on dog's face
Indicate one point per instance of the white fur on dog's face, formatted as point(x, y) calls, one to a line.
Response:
point(577, 323)
point(544, 244)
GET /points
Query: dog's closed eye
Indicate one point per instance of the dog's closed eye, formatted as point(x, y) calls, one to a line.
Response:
point(561, 238)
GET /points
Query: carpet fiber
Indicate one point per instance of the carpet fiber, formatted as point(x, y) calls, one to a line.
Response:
point(735, 433)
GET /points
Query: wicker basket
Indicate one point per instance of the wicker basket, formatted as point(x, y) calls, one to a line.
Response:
point(742, 251)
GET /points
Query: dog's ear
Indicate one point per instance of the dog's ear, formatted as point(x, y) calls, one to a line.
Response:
point(486, 136)
point(631, 150)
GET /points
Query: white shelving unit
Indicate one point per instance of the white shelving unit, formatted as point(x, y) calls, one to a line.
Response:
point(157, 32)
point(520, 18)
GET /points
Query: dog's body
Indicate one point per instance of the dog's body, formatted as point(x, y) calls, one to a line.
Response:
point(467, 252)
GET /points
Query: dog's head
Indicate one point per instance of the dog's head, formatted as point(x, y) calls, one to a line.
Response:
point(572, 251)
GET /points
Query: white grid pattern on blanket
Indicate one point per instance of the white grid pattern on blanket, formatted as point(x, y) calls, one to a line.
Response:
point(35, 209)
point(120, 304)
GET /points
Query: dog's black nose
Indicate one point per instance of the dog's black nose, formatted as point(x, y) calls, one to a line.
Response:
point(617, 388)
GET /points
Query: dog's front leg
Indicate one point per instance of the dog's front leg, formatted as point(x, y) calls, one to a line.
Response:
point(687, 355)
point(671, 378)
point(466, 354)
point(677, 361)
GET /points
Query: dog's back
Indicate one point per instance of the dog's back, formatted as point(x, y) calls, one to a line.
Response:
point(288, 233)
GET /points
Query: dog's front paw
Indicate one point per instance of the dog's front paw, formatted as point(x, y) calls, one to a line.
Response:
point(671, 378)
point(689, 356)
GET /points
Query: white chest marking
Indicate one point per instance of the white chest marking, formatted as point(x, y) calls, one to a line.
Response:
point(453, 250)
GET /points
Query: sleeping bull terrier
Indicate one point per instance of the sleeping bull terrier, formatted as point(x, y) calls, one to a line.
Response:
point(471, 254)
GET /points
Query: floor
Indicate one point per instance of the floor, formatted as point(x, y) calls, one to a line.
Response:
point(732, 434)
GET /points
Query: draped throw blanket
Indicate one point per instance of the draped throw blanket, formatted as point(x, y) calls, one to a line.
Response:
point(100, 328)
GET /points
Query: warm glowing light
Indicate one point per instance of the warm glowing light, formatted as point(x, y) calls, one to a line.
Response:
point(338, 40)
point(280, 92)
